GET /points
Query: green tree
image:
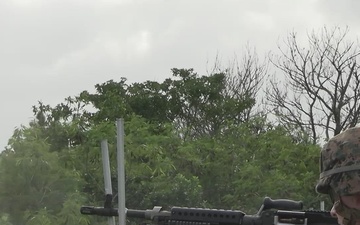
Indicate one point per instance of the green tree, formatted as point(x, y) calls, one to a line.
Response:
point(151, 171)
point(4, 219)
point(231, 166)
point(69, 213)
point(196, 105)
point(205, 105)
point(110, 101)
point(32, 177)
point(64, 125)
point(41, 217)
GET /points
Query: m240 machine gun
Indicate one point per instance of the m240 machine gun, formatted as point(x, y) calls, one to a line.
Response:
point(271, 212)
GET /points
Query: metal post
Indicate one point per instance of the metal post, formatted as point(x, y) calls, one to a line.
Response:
point(107, 174)
point(121, 171)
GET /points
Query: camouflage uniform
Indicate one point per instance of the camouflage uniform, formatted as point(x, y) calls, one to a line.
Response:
point(340, 170)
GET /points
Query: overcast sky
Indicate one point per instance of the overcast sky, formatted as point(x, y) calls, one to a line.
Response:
point(52, 49)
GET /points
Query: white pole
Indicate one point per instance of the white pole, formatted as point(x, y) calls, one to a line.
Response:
point(322, 205)
point(107, 174)
point(121, 171)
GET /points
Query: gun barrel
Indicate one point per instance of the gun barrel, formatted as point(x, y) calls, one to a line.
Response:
point(99, 211)
point(156, 212)
point(91, 210)
point(136, 213)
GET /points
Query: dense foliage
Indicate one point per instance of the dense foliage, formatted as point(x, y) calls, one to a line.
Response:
point(189, 142)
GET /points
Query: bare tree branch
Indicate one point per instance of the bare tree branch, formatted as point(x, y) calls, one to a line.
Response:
point(323, 78)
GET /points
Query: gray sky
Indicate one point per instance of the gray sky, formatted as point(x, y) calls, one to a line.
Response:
point(52, 49)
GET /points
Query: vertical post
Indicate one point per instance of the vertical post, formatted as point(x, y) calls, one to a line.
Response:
point(322, 205)
point(121, 171)
point(107, 175)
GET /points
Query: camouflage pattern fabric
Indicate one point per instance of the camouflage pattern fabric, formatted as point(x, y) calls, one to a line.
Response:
point(350, 216)
point(340, 164)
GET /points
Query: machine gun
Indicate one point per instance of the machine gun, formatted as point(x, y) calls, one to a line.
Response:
point(272, 212)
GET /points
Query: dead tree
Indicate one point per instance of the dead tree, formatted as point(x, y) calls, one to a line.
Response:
point(244, 80)
point(318, 87)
